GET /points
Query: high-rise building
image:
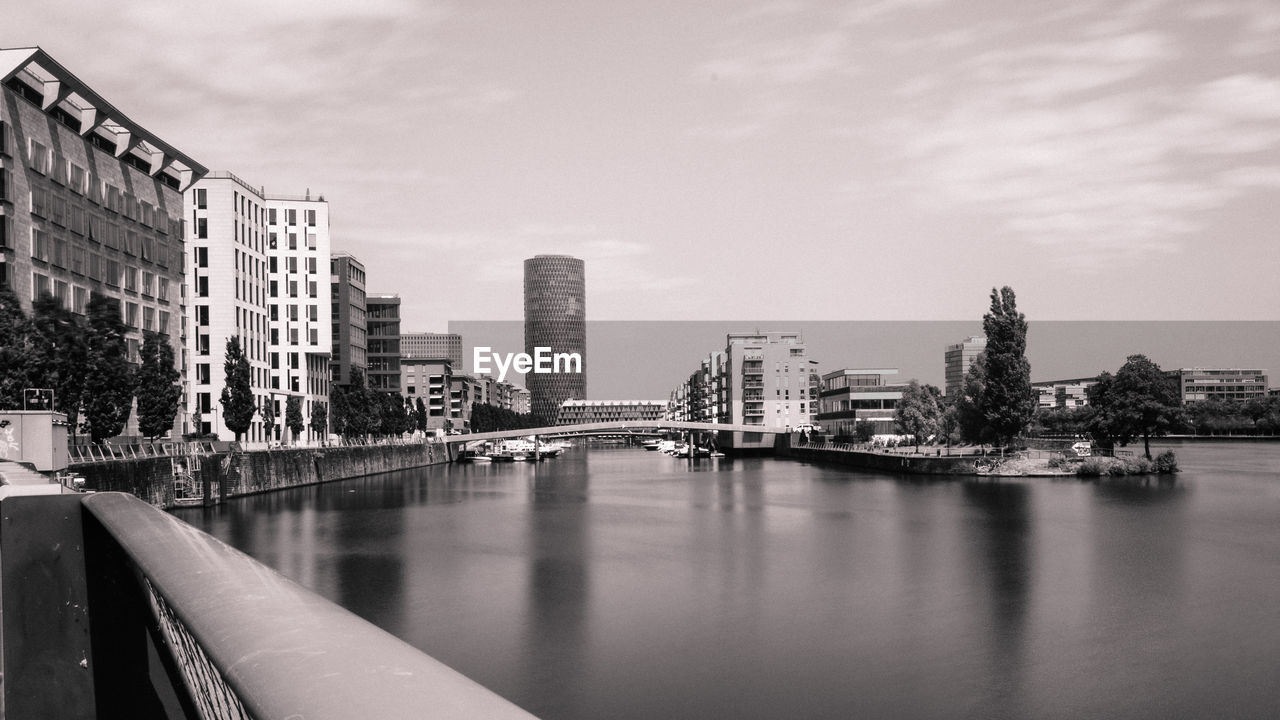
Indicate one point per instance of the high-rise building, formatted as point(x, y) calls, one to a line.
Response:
point(383, 321)
point(90, 203)
point(555, 317)
point(301, 310)
point(433, 345)
point(575, 412)
point(959, 358)
point(350, 331)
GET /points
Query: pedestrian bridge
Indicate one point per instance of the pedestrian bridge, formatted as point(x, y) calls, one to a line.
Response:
point(638, 427)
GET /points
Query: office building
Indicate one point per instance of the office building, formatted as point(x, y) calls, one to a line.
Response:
point(350, 331)
point(854, 395)
point(383, 321)
point(959, 358)
point(575, 412)
point(90, 203)
point(1063, 394)
point(432, 345)
point(1201, 384)
point(555, 318)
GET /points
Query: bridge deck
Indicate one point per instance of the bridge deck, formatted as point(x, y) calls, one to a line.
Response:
point(611, 427)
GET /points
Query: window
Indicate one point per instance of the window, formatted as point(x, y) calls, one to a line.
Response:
point(131, 314)
point(293, 241)
point(273, 264)
point(311, 218)
point(202, 228)
point(164, 322)
point(202, 373)
point(315, 336)
point(149, 319)
point(313, 313)
point(148, 282)
point(202, 316)
point(38, 157)
point(39, 245)
point(311, 288)
point(271, 218)
point(6, 231)
point(291, 217)
point(202, 345)
point(79, 299)
point(202, 198)
point(311, 241)
point(292, 263)
point(293, 288)
point(163, 291)
point(131, 279)
point(5, 183)
point(202, 287)
point(293, 337)
point(202, 257)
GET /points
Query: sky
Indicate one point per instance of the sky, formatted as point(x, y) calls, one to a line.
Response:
point(879, 160)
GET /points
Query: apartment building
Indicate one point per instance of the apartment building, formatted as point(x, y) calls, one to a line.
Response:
point(298, 245)
point(383, 321)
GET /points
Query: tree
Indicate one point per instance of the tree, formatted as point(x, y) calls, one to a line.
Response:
point(363, 407)
point(159, 390)
point(267, 411)
point(293, 416)
point(917, 412)
point(864, 430)
point(237, 391)
point(14, 361)
point(108, 387)
point(337, 410)
point(57, 359)
point(970, 421)
point(1008, 401)
point(320, 420)
point(1139, 400)
point(420, 416)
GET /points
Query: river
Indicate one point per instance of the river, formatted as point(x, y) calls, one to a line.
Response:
point(619, 583)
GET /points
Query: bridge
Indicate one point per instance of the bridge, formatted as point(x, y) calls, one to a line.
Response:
point(639, 427)
point(115, 609)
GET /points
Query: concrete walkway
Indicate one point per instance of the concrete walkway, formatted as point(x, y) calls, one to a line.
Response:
point(17, 479)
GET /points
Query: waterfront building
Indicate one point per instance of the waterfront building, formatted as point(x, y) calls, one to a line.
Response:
point(430, 379)
point(767, 379)
point(464, 391)
point(1064, 394)
point(854, 395)
point(521, 401)
point(432, 345)
point(959, 358)
point(228, 287)
point(1200, 384)
point(574, 412)
point(90, 203)
point(257, 275)
point(383, 321)
point(298, 250)
point(347, 302)
point(555, 317)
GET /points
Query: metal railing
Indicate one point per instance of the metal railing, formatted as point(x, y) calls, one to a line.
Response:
point(229, 637)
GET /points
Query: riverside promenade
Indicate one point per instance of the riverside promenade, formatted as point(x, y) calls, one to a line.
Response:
point(930, 460)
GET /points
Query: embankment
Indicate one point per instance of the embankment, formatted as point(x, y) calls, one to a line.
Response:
point(230, 474)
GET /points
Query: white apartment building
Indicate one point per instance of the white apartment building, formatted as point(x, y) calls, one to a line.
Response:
point(227, 291)
point(259, 271)
point(301, 308)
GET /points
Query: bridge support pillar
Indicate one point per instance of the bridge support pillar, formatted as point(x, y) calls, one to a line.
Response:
point(537, 451)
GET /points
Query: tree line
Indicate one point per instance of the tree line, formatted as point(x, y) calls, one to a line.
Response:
point(84, 361)
point(998, 404)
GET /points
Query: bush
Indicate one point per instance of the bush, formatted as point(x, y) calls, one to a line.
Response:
point(1094, 467)
point(1166, 463)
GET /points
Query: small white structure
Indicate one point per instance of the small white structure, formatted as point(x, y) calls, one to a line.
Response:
point(38, 437)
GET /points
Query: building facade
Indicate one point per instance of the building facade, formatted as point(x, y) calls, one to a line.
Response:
point(431, 380)
point(555, 317)
point(347, 306)
point(1063, 394)
point(574, 412)
point(383, 322)
point(229, 297)
point(432, 345)
point(854, 395)
point(301, 312)
point(959, 358)
point(91, 203)
point(1201, 384)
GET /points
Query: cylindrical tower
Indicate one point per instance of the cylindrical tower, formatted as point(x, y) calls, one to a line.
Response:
point(555, 316)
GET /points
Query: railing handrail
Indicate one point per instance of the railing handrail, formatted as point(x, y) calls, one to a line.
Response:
point(284, 650)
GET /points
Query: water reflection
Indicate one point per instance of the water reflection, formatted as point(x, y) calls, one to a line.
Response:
point(1000, 537)
point(558, 588)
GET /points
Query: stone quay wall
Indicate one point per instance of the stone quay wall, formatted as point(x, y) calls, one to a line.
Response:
point(230, 474)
